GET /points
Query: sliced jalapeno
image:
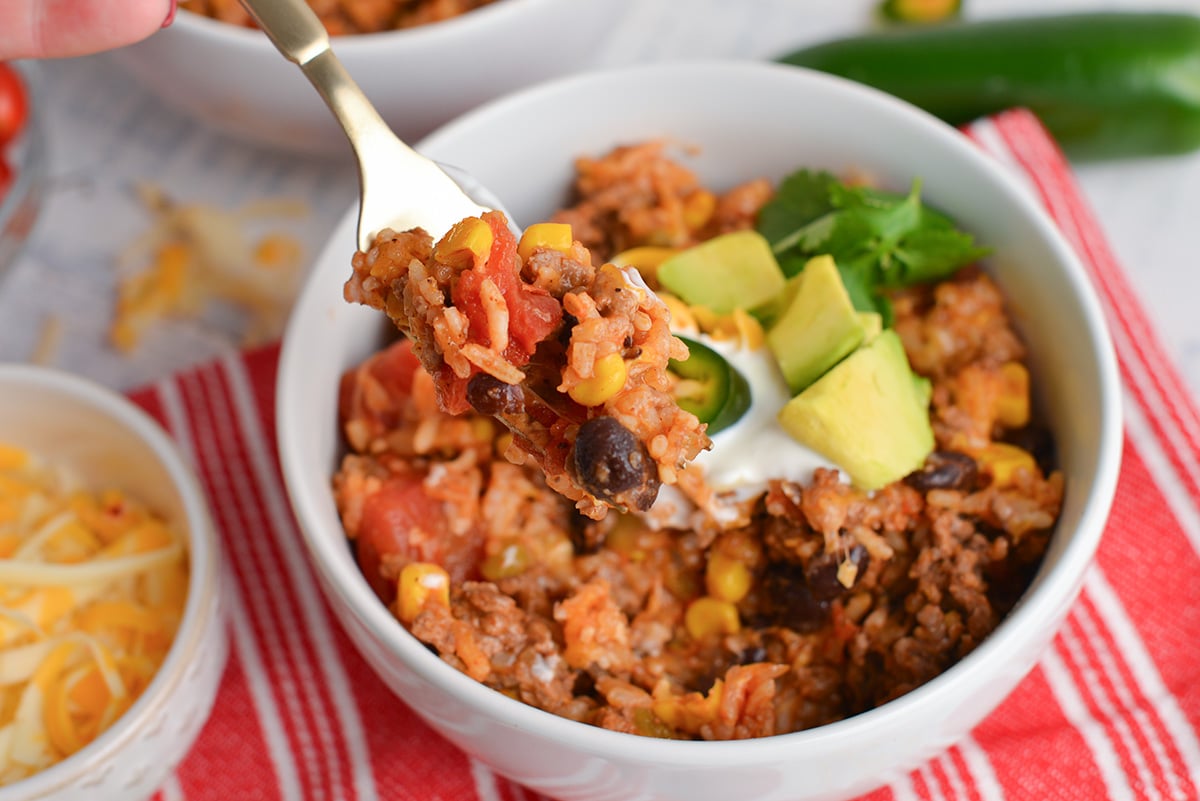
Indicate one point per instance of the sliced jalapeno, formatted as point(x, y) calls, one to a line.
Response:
point(710, 387)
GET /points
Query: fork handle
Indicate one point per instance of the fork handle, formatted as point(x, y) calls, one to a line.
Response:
point(300, 36)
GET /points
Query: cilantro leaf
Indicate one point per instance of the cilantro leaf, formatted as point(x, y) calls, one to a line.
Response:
point(880, 240)
point(802, 197)
point(929, 254)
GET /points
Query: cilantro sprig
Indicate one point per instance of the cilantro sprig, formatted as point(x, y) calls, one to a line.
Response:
point(880, 240)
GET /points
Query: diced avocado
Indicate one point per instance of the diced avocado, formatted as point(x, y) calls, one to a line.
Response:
point(727, 272)
point(867, 415)
point(872, 323)
point(924, 389)
point(819, 326)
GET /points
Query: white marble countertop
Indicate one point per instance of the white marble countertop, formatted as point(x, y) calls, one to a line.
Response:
point(106, 135)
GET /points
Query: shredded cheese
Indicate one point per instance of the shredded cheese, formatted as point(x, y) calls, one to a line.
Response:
point(194, 256)
point(92, 588)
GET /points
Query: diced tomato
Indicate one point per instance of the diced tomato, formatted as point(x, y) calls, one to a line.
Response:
point(392, 369)
point(467, 300)
point(14, 105)
point(401, 523)
point(533, 314)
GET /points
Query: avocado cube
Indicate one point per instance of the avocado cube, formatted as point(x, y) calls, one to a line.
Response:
point(727, 272)
point(818, 327)
point(872, 323)
point(869, 415)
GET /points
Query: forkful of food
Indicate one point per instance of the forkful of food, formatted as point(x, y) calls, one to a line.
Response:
point(569, 355)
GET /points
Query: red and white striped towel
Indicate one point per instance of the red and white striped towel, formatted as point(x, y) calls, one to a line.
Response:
point(1112, 711)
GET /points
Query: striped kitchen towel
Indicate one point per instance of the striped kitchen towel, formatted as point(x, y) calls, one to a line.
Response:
point(1111, 711)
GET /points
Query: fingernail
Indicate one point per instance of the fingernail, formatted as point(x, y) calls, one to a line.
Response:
point(170, 13)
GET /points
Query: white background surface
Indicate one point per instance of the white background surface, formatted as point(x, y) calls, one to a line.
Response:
point(106, 135)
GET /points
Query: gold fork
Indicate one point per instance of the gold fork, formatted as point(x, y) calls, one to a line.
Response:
point(398, 188)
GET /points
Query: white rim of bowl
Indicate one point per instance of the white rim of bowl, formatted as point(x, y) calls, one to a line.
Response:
point(363, 43)
point(1048, 594)
point(203, 556)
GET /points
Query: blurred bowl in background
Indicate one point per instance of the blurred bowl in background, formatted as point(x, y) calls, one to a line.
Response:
point(23, 172)
point(234, 79)
point(110, 443)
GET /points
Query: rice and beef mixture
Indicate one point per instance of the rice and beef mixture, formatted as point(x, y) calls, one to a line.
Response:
point(829, 602)
point(571, 357)
point(342, 17)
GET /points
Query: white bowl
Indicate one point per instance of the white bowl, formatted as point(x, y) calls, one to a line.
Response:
point(109, 442)
point(749, 120)
point(234, 79)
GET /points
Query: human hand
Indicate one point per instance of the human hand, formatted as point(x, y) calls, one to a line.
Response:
point(59, 28)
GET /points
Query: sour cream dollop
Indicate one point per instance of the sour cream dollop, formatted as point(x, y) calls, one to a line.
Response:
point(746, 455)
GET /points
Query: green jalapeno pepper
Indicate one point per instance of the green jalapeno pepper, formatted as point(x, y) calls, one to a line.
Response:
point(1106, 84)
point(711, 388)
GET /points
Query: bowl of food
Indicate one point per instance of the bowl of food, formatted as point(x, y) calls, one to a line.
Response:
point(787, 427)
point(114, 640)
point(23, 159)
point(419, 62)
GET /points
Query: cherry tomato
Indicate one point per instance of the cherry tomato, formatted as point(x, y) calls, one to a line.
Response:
point(6, 177)
point(13, 104)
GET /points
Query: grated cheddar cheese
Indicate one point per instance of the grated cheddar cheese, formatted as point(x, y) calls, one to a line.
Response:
point(92, 590)
point(195, 257)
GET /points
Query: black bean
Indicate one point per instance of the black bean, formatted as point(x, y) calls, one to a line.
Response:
point(612, 464)
point(821, 574)
point(584, 684)
point(752, 655)
point(568, 325)
point(490, 396)
point(588, 535)
point(944, 470)
point(789, 601)
point(1038, 441)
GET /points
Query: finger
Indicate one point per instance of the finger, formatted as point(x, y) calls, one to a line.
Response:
point(59, 28)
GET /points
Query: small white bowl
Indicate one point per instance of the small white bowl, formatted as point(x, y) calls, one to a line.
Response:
point(234, 79)
point(748, 120)
point(109, 442)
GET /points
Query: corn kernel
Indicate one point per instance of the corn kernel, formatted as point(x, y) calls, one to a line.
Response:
point(645, 259)
point(483, 429)
point(625, 538)
point(648, 724)
point(698, 209)
point(690, 711)
point(511, 560)
point(606, 381)
point(1012, 407)
point(552, 236)
point(726, 578)
point(468, 244)
point(420, 583)
point(1002, 461)
point(707, 616)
